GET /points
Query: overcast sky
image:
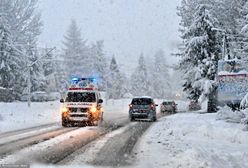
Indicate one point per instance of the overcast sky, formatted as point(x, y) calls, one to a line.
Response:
point(128, 27)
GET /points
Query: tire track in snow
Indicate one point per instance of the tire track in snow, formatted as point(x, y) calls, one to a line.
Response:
point(26, 130)
point(55, 149)
point(16, 137)
point(18, 144)
point(113, 149)
point(88, 153)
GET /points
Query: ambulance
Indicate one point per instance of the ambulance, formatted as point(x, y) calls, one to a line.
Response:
point(82, 104)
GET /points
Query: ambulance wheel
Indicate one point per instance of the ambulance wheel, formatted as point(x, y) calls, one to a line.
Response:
point(65, 123)
point(91, 123)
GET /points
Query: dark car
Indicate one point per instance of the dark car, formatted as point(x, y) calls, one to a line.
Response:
point(168, 106)
point(142, 108)
point(194, 106)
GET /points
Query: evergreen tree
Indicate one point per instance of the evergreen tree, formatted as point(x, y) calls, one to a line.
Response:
point(10, 63)
point(160, 76)
point(140, 84)
point(24, 27)
point(227, 14)
point(75, 59)
point(201, 55)
point(38, 82)
point(99, 63)
point(243, 32)
point(61, 79)
point(48, 63)
point(115, 81)
point(49, 68)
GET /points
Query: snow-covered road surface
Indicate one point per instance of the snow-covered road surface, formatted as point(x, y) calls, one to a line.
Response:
point(47, 142)
point(17, 115)
point(113, 149)
point(52, 144)
point(37, 134)
point(191, 140)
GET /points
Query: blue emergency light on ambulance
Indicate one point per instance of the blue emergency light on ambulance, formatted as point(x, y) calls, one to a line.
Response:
point(77, 82)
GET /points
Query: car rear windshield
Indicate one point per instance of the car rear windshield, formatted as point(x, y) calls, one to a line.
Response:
point(141, 101)
point(168, 103)
point(80, 97)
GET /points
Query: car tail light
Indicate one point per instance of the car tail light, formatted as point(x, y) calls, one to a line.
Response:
point(130, 105)
point(152, 106)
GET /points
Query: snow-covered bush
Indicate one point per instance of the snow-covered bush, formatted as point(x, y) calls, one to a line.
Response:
point(245, 120)
point(244, 102)
point(228, 115)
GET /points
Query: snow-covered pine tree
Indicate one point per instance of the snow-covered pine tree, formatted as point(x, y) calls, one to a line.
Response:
point(140, 84)
point(49, 68)
point(115, 88)
point(201, 55)
point(99, 62)
point(243, 32)
point(160, 78)
point(48, 63)
point(38, 82)
point(227, 12)
point(10, 63)
point(75, 58)
point(61, 80)
point(24, 26)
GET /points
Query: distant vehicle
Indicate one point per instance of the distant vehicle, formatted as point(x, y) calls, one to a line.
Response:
point(142, 107)
point(24, 97)
point(194, 106)
point(52, 96)
point(39, 96)
point(168, 106)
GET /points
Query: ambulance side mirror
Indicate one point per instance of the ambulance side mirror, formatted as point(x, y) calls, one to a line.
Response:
point(100, 101)
point(62, 101)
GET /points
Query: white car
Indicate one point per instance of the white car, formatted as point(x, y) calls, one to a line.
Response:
point(39, 96)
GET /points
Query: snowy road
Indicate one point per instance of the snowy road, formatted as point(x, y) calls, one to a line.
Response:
point(51, 143)
point(37, 136)
point(113, 149)
point(190, 140)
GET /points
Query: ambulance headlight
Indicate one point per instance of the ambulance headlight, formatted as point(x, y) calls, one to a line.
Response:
point(64, 110)
point(93, 109)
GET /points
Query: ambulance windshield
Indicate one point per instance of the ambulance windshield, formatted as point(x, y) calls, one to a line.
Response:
point(81, 97)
